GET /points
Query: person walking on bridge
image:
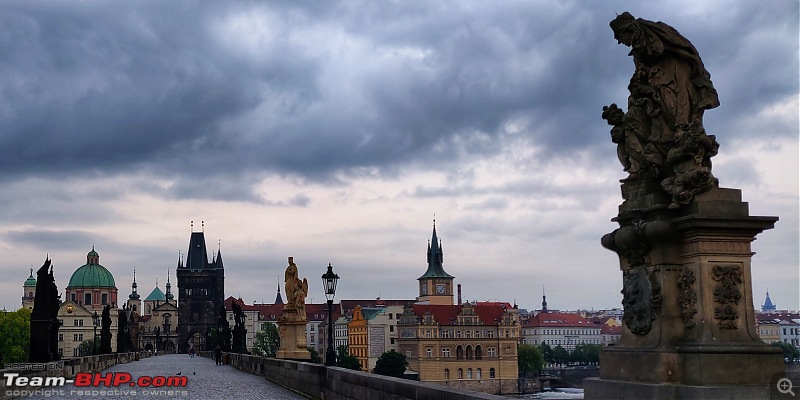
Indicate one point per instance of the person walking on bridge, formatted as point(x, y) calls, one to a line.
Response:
point(218, 355)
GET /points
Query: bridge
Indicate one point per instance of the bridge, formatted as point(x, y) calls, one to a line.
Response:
point(242, 377)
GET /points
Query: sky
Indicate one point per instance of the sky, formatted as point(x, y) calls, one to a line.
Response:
point(335, 132)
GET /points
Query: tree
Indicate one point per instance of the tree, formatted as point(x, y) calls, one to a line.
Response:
point(87, 347)
point(315, 358)
point(790, 352)
point(345, 360)
point(560, 355)
point(391, 363)
point(268, 340)
point(15, 336)
point(547, 353)
point(529, 358)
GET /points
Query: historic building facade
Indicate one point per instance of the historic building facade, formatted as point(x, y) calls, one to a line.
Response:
point(201, 287)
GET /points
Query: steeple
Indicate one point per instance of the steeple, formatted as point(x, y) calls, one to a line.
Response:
point(435, 258)
point(169, 295)
point(218, 261)
point(768, 306)
point(134, 294)
point(544, 301)
point(279, 299)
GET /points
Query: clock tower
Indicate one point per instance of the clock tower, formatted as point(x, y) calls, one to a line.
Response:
point(435, 285)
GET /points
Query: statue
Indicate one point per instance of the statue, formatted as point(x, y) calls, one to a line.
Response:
point(123, 330)
point(296, 290)
point(223, 331)
point(661, 136)
point(239, 331)
point(44, 317)
point(105, 330)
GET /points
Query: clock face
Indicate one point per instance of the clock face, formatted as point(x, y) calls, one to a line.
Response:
point(440, 289)
point(423, 288)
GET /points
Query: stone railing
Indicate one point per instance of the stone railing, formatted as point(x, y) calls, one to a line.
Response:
point(66, 369)
point(316, 381)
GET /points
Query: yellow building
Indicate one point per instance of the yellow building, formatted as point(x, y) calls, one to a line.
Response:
point(470, 346)
point(357, 338)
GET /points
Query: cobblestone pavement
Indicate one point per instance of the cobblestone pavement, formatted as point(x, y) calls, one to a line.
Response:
point(205, 381)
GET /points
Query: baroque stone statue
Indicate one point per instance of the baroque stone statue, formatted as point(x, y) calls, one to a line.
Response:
point(44, 317)
point(661, 136)
point(296, 290)
point(105, 330)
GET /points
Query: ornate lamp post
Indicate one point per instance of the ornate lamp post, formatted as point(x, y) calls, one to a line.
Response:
point(329, 280)
point(96, 322)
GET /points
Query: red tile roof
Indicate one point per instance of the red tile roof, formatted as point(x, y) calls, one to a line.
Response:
point(557, 319)
point(447, 314)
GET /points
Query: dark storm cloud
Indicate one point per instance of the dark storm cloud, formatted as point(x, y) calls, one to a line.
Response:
point(54, 240)
point(318, 89)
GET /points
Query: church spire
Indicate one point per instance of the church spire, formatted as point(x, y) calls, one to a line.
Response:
point(279, 299)
point(134, 294)
point(544, 301)
point(169, 295)
point(435, 258)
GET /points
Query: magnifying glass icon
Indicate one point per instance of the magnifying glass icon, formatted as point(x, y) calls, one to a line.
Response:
point(785, 386)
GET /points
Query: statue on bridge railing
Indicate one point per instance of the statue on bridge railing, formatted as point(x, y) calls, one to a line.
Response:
point(44, 317)
point(223, 331)
point(105, 331)
point(291, 324)
point(239, 330)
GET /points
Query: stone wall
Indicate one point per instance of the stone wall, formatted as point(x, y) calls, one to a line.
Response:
point(333, 383)
point(67, 369)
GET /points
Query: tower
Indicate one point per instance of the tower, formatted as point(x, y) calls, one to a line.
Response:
point(201, 286)
point(134, 300)
point(435, 285)
point(169, 297)
point(279, 299)
point(768, 306)
point(29, 292)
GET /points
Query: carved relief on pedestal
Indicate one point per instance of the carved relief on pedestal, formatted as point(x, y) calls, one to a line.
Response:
point(727, 294)
point(641, 300)
point(687, 297)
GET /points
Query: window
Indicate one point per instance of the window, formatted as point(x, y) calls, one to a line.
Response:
point(491, 373)
point(104, 298)
point(492, 352)
point(74, 322)
point(74, 337)
point(80, 322)
point(446, 333)
point(459, 352)
point(391, 340)
point(460, 374)
point(72, 297)
point(478, 374)
point(61, 352)
point(408, 353)
point(469, 373)
point(75, 352)
point(478, 352)
point(446, 374)
point(468, 333)
point(87, 299)
point(390, 315)
point(427, 333)
point(477, 333)
point(391, 328)
point(458, 333)
point(429, 352)
point(445, 353)
point(469, 352)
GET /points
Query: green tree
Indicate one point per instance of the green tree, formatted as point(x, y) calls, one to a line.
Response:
point(578, 355)
point(315, 358)
point(560, 355)
point(15, 336)
point(391, 363)
point(593, 353)
point(268, 341)
point(790, 352)
point(345, 360)
point(529, 358)
point(547, 353)
point(87, 347)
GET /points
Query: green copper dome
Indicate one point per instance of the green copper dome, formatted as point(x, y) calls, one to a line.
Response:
point(92, 274)
point(31, 281)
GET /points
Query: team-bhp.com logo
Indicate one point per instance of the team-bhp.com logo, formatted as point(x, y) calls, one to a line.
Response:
point(89, 384)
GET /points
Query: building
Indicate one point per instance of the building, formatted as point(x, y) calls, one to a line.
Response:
point(769, 328)
point(560, 329)
point(158, 323)
point(201, 291)
point(471, 346)
point(91, 287)
point(29, 292)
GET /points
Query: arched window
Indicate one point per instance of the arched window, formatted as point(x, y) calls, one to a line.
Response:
point(469, 373)
point(460, 373)
point(459, 352)
point(446, 374)
point(469, 352)
point(478, 352)
point(478, 373)
point(491, 373)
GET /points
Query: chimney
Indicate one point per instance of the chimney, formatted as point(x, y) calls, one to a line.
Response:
point(459, 294)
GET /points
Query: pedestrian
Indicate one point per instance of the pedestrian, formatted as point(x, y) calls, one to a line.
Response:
point(218, 355)
point(191, 352)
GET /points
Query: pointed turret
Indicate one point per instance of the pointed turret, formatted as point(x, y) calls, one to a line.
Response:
point(218, 261)
point(435, 285)
point(435, 258)
point(279, 299)
point(544, 301)
point(169, 295)
point(134, 293)
point(768, 306)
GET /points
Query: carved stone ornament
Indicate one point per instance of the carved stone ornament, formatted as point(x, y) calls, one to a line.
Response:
point(641, 300)
point(687, 297)
point(727, 294)
point(661, 137)
point(629, 242)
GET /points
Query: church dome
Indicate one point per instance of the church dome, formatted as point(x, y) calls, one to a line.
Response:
point(92, 274)
point(31, 281)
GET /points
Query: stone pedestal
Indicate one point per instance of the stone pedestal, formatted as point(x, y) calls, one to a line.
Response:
point(40, 341)
point(689, 325)
point(292, 331)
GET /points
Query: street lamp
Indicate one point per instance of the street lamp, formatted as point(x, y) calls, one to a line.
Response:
point(329, 280)
point(95, 321)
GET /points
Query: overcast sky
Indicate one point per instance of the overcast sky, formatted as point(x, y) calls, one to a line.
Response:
point(335, 131)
